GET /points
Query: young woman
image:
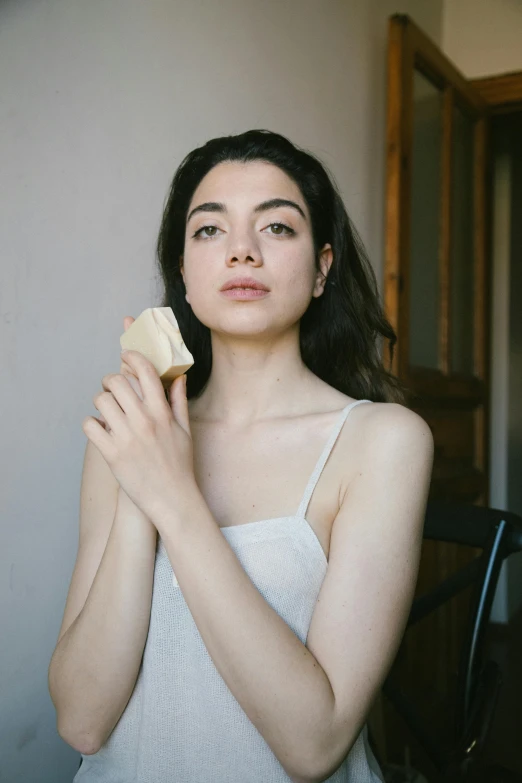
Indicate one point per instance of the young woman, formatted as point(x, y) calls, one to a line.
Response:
point(249, 546)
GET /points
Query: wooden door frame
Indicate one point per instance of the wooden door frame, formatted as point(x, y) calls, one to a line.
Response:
point(441, 395)
point(502, 93)
point(410, 49)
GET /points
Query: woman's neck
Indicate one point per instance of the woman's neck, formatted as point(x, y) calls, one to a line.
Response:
point(254, 380)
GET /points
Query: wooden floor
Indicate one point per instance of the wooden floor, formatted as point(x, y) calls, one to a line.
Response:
point(504, 744)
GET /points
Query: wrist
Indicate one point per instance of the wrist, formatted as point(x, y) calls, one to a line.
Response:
point(126, 508)
point(132, 528)
point(179, 507)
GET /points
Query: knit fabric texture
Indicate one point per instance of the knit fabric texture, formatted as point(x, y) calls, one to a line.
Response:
point(182, 724)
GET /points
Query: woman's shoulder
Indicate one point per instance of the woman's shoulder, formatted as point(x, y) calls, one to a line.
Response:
point(393, 415)
point(390, 426)
point(378, 437)
point(387, 414)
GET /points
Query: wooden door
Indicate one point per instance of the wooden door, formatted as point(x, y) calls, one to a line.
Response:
point(436, 289)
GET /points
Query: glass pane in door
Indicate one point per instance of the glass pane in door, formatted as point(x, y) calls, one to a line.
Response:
point(462, 256)
point(425, 223)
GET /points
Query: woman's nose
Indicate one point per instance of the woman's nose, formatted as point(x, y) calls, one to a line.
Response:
point(243, 248)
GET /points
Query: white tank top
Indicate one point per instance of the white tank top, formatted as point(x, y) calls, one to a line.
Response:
point(182, 724)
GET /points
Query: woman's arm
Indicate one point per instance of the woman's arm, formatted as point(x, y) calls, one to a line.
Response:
point(310, 702)
point(375, 548)
point(96, 662)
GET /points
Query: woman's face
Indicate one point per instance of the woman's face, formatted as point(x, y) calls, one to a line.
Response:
point(236, 233)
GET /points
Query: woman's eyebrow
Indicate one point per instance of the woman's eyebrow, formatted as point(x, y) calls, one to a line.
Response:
point(216, 206)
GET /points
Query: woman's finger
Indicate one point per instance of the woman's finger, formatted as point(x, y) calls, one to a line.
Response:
point(152, 389)
point(98, 436)
point(126, 368)
point(134, 382)
point(104, 423)
point(110, 409)
point(128, 372)
point(178, 402)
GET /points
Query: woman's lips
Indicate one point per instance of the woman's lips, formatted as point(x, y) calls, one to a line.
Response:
point(244, 293)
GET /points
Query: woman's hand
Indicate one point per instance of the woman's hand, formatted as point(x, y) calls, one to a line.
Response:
point(125, 369)
point(145, 439)
point(124, 502)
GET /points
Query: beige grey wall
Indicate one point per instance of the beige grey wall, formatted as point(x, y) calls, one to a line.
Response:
point(483, 37)
point(100, 102)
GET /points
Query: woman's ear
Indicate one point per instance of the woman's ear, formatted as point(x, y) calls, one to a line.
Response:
point(182, 270)
point(325, 262)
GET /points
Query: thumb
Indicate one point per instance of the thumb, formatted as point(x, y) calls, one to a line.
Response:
point(178, 402)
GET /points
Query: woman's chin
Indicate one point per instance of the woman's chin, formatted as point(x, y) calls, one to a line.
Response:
point(251, 319)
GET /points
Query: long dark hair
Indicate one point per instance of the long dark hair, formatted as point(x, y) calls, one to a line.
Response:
point(340, 328)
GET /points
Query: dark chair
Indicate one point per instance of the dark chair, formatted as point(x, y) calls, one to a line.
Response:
point(498, 534)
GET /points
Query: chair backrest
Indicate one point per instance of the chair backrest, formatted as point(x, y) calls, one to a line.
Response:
point(498, 534)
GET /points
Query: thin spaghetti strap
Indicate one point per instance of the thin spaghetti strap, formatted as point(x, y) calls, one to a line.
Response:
point(321, 462)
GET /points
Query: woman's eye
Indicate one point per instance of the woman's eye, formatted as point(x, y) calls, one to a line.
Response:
point(211, 231)
point(204, 228)
point(281, 225)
